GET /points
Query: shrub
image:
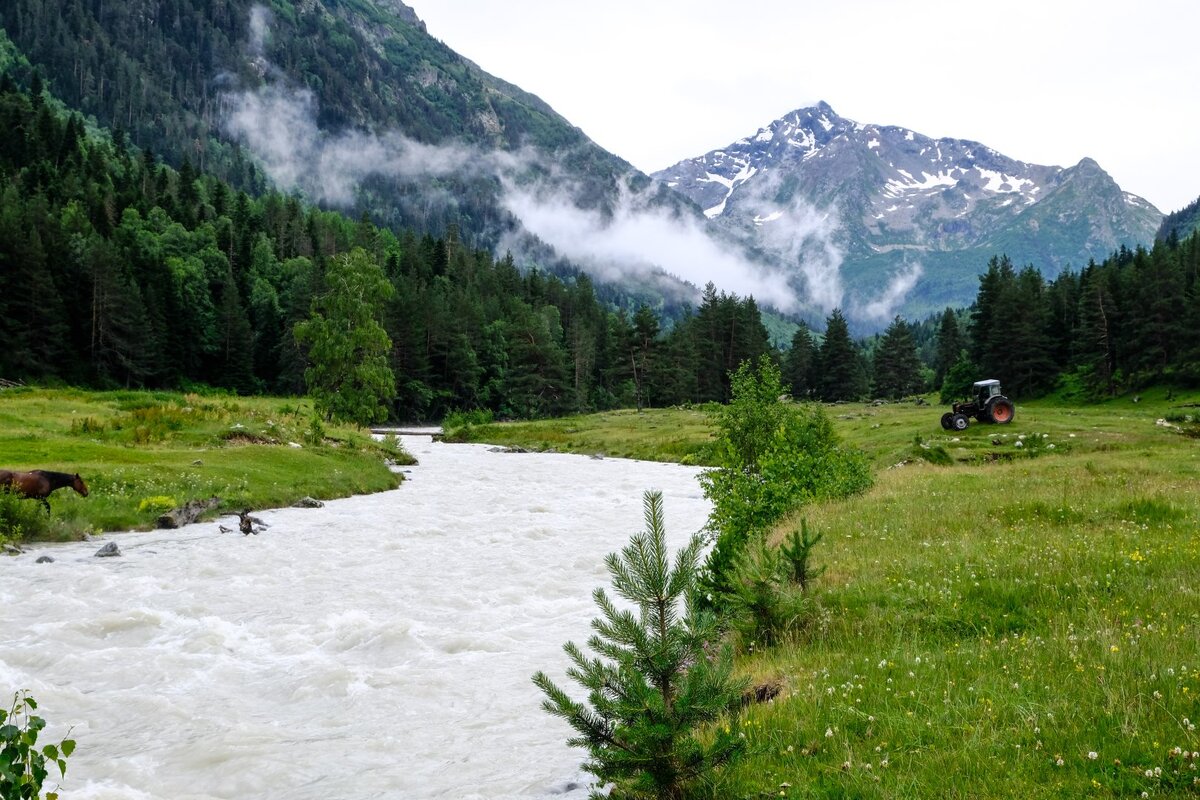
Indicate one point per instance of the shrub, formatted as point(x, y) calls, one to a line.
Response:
point(659, 676)
point(465, 419)
point(803, 462)
point(21, 519)
point(315, 435)
point(22, 764)
point(156, 504)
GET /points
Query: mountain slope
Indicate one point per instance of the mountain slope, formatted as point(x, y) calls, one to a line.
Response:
point(1181, 223)
point(898, 198)
point(350, 102)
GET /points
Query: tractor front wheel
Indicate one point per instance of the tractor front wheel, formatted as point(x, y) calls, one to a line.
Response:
point(946, 420)
point(1001, 412)
point(958, 422)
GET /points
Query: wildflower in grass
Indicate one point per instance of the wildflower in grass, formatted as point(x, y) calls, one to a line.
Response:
point(1092, 755)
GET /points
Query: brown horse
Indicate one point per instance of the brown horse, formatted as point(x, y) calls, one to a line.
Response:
point(39, 483)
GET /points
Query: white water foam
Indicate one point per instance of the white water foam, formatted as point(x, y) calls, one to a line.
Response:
point(380, 647)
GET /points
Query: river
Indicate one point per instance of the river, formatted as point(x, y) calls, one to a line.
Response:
point(379, 647)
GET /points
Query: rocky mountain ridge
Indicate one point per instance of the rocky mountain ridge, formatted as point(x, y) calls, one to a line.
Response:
point(897, 197)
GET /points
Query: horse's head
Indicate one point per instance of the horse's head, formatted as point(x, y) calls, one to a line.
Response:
point(78, 485)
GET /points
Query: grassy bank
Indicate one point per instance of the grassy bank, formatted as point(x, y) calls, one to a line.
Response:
point(142, 453)
point(1009, 612)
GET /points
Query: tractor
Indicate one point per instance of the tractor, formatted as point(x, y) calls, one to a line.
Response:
point(987, 404)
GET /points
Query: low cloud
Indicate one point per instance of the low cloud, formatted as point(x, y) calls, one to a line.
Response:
point(884, 307)
point(797, 236)
point(635, 240)
point(796, 262)
point(279, 125)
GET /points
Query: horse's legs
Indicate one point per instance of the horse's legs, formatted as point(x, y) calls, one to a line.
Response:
point(46, 502)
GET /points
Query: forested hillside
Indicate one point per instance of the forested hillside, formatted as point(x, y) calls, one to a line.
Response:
point(118, 270)
point(167, 73)
point(1181, 223)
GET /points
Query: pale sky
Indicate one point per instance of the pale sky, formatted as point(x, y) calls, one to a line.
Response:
point(1043, 81)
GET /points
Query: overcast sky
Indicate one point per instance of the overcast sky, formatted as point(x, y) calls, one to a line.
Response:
point(1043, 81)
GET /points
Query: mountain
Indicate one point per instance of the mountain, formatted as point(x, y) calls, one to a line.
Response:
point(352, 104)
point(898, 203)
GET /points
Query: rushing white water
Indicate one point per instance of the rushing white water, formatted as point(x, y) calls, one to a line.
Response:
point(380, 647)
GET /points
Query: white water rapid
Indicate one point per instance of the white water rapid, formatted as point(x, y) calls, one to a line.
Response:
point(379, 647)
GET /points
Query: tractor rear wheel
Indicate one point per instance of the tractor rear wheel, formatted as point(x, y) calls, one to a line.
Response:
point(958, 422)
point(1000, 411)
point(946, 420)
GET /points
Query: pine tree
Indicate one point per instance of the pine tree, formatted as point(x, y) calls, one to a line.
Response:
point(800, 363)
point(1026, 359)
point(643, 354)
point(949, 345)
point(1093, 347)
point(656, 681)
point(897, 367)
point(842, 373)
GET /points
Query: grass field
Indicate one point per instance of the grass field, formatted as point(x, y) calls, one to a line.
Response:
point(143, 453)
point(998, 620)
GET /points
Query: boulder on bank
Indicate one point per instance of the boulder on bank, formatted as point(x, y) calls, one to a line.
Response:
point(187, 513)
point(308, 502)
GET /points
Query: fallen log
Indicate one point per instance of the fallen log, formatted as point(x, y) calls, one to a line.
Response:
point(187, 513)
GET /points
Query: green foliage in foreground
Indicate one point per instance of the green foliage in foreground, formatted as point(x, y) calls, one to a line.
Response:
point(141, 450)
point(23, 769)
point(1021, 623)
point(659, 679)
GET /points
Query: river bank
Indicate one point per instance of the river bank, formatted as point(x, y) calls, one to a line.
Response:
point(143, 453)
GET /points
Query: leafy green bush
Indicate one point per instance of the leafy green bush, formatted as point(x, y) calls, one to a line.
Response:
point(465, 419)
point(22, 764)
point(803, 463)
point(21, 519)
point(659, 677)
point(959, 378)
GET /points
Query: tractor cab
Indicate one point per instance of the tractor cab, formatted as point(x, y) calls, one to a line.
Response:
point(985, 391)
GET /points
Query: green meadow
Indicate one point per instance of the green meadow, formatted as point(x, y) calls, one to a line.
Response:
point(1009, 612)
point(144, 453)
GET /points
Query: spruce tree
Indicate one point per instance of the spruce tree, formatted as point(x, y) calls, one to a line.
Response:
point(799, 364)
point(897, 367)
point(949, 344)
point(1093, 354)
point(842, 374)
